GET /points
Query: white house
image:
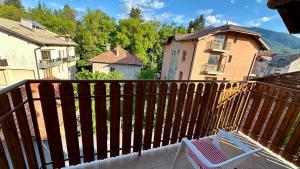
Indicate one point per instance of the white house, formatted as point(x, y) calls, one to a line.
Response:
point(30, 51)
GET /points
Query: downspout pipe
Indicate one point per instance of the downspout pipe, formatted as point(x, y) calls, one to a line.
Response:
point(193, 57)
point(36, 61)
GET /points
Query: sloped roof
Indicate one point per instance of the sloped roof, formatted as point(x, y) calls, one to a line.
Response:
point(117, 55)
point(38, 36)
point(220, 29)
point(283, 61)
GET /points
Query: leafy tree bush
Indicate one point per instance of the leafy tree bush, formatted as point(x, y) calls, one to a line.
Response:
point(88, 75)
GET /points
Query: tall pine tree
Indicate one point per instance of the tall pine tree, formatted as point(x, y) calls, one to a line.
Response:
point(136, 13)
point(198, 24)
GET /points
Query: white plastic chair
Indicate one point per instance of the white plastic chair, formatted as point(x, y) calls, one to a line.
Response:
point(200, 159)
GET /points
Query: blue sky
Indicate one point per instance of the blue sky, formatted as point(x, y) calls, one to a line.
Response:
point(217, 12)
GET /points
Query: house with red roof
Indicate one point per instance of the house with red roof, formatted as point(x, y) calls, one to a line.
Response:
point(117, 59)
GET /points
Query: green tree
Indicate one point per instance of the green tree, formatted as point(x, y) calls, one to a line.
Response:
point(94, 33)
point(68, 13)
point(11, 12)
point(15, 3)
point(88, 75)
point(198, 24)
point(136, 13)
point(139, 38)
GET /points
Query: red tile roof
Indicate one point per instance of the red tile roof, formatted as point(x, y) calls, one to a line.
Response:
point(117, 55)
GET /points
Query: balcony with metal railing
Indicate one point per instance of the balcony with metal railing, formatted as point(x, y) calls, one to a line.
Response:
point(71, 58)
point(216, 46)
point(47, 63)
point(59, 123)
point(213, 69)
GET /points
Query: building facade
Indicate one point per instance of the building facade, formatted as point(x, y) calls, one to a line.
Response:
point(29, 51)
point(117, 59)
point(222, 53)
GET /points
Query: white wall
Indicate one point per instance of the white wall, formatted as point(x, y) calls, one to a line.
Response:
point(129, 71)
point(295, 65)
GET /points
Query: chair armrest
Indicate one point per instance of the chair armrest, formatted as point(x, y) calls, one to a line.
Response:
point(231, 138)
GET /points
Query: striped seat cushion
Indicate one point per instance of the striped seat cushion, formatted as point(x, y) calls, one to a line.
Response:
point(210, 152)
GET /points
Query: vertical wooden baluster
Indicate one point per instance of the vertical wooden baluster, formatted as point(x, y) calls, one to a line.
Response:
point(49, 108)
point(35, 125)
point(3, 159)
point(101, 126)
point(212, 113)
point(169, 115)
point(274, 118)
point(254, 107)
point(114, 119)
point(150, 115)
point(293, 145)
point(86, 123)
point(178, 112)
point(263, 113)
point(70, 122)
point(24, 128)
point(160, 113)
point(187, 110)
point(139, 116)
point(195, 108)
point(286, 124)
point(217, 109)
point(127, 117)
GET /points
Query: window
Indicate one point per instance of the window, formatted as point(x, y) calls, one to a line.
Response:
point(220, 38)
point(214, 59)
point(112, 69)
point(183, 55)
point(277, 71)
point(47, 72)
point(180, 75)
point(46, 55)
point(229, 58)
point(178, 51)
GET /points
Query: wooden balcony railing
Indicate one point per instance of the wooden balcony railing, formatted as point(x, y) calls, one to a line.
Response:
point(130, 116)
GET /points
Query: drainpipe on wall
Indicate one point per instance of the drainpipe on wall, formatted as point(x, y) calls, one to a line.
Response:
point(251, 67)
point(36, 61)
point(192, 62)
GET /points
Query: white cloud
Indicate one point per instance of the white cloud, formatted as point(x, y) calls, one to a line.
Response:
point(55, 5)
point(179, 19)
point(157, 4)
point(148, 8)
point(259, 1)
point(260, 21)
point(232, 1)
point(204, 11)
point(217, 20)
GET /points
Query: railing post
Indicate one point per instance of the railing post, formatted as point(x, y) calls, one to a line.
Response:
point(35, 124)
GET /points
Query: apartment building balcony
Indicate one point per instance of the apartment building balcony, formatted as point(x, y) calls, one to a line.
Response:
point(139, 124)
point(216, 46)
point(71, 58)
point(213, 69)
point(3, 63)
point(43, 64)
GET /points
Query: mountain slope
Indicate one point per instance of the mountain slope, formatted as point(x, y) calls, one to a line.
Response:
point(279, 42)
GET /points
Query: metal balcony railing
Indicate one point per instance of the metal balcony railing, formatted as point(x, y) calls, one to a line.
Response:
point(213, 69)
point(3, 62)
point(218, 46)
point(50, 63)
point(126, 116)
point(71, 58)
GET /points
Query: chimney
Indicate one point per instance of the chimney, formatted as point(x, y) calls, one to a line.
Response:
point(108, 47)
point(117, 51)
point(26, 23)
point(191, 30)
